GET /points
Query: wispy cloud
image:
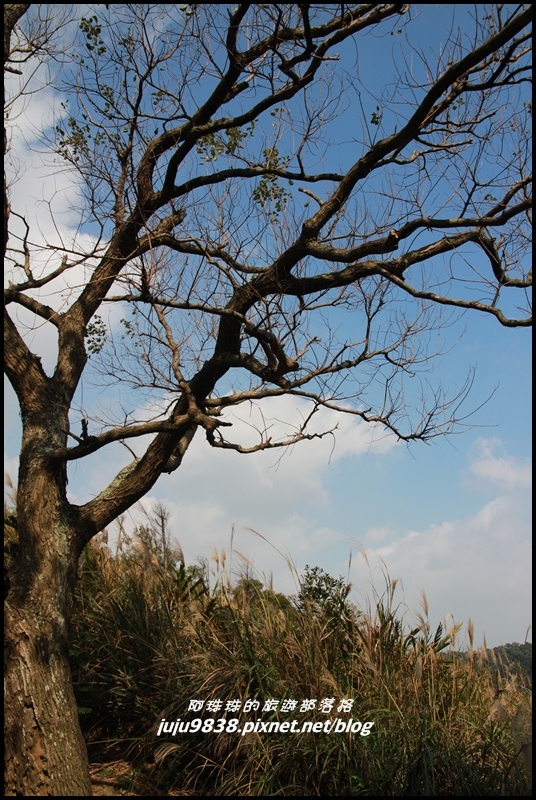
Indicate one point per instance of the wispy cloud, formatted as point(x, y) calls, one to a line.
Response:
point(498, 469)
point(476, 566)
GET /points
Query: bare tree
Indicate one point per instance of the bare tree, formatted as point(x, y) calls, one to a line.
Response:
point(12, 13)
point(268, 223)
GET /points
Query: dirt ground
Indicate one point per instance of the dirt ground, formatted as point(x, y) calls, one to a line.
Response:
point(109, 779)
point(119, 779)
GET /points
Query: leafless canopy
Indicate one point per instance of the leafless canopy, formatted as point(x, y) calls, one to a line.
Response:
point(279, 199)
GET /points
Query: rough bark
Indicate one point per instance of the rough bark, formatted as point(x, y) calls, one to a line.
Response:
point(45, 752)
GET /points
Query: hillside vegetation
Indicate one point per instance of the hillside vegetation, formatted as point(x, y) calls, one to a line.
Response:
point(410, 713)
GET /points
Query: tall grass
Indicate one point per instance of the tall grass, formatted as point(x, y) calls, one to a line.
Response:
point(149, 635)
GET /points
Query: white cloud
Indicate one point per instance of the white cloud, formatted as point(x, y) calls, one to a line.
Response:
point(498, 469)
point(476, 567)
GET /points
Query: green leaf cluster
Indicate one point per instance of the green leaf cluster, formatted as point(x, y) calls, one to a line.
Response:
point(92, 30)
point(96, 334)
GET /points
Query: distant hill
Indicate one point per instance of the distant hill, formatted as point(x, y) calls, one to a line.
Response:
point(511, 655)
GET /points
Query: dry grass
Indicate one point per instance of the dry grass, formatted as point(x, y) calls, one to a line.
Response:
point(150, 635)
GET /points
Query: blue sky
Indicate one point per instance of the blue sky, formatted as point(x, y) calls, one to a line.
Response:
point(451, 518)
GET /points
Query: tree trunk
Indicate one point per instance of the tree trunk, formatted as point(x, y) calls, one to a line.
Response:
point(45, 753)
